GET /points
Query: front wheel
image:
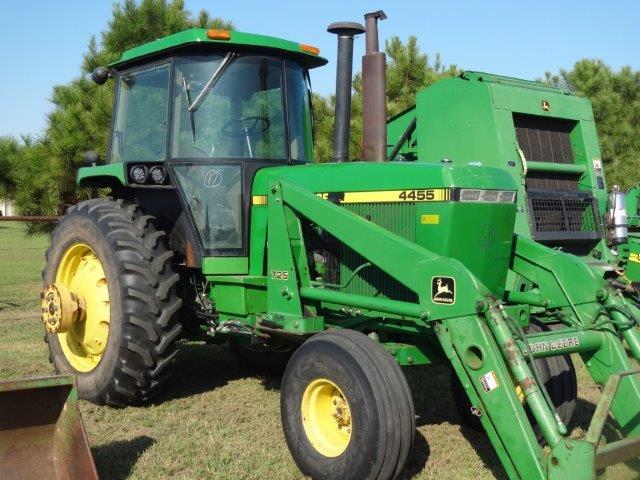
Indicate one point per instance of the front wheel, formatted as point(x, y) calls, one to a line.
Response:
point(109, 302)
point(347, 411)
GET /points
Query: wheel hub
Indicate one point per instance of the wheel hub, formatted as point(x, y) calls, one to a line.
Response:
point(76, 307)
point(326, 417)
point(341, 412)
point(61, 308)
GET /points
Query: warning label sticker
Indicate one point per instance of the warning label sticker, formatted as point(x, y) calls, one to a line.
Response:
point(489, 381)
point(597, 165)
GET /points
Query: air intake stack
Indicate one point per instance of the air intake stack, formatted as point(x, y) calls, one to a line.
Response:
point(344, 71)
point(374, 93)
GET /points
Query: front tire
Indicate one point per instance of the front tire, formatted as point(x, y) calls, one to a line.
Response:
point(111, 255)
point(347, 411)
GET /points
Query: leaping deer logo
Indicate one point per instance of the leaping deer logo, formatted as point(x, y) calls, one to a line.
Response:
point(443, 290)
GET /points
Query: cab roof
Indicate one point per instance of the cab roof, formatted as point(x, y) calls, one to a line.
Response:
point(198, 38)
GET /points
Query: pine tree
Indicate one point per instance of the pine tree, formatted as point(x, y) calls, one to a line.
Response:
point(615, 97)
point(9, 150)
point(44, 173)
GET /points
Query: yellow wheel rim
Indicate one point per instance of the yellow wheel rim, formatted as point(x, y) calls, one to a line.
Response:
point(326, 417)
point(81, 272)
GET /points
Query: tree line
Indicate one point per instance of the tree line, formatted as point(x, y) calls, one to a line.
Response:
point(38, 174)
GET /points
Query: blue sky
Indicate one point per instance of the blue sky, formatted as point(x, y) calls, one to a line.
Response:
point(43, 41)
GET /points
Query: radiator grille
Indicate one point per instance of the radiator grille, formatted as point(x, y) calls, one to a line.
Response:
point(399, 218)
point(544, 139)
point(558, 215)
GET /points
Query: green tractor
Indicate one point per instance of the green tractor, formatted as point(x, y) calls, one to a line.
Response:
point(221, 225)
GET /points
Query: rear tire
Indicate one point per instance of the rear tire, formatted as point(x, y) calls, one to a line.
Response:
point(559, 378)
point(380, 413)
point(140, 347)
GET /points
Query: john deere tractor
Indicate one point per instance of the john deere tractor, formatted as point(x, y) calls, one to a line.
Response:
point(222, 225)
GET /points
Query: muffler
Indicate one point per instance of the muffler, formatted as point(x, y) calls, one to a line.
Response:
point(344, 75)
point(374, 93)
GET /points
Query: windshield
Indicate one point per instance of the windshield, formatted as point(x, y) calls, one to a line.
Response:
point(222, 106)
point(238, 115)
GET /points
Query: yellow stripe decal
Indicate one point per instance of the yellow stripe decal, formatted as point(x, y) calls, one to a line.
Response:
point(634, 257)
point(259, 200)
point(394, 196)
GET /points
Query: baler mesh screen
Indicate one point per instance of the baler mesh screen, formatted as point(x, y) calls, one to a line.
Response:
point(544, 139)
point(563, 215)
point(552, 181)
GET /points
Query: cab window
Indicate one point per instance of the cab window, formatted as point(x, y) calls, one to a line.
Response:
point(139, 131)
point(299, 114)
point(212, 193)
point(228, 106)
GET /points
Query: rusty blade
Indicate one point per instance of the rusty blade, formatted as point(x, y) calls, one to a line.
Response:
point(41, 433)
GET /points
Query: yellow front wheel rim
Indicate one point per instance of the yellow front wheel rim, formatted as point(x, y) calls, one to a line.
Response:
point(80, 270)
point(326, 417)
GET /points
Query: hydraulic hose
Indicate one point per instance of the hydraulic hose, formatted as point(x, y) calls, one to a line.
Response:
point(562, 428)
point(532, 388)
point(619, 315)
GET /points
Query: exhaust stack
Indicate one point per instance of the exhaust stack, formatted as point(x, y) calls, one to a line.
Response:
point(374, 93)
point(344, 72)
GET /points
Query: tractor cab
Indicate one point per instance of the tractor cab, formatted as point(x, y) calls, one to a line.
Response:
point(200, 112)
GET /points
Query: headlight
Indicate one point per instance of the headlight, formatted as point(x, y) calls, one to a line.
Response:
point(138, 174)
point(157, 175)
point(487, 196)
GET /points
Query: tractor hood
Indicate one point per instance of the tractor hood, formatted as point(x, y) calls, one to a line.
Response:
point(364, 176)
point(462, 212)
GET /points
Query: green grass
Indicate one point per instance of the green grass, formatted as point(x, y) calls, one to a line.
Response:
point(219, 421)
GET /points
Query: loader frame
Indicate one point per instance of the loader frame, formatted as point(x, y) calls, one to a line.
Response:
point(478, 336)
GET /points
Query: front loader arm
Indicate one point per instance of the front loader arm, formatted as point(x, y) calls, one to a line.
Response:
point(475, 332)
point(462, 328)
point(408, 263)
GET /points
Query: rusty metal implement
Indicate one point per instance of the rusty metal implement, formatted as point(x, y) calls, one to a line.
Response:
point(41, 432)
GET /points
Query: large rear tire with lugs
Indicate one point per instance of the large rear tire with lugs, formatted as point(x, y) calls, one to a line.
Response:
point(347, 412)
point(110, 264)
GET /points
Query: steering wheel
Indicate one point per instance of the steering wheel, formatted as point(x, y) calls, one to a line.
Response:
point(246, 126)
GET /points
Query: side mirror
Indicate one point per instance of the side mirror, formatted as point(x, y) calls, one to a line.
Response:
point(100, 75)
point(91, 158)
